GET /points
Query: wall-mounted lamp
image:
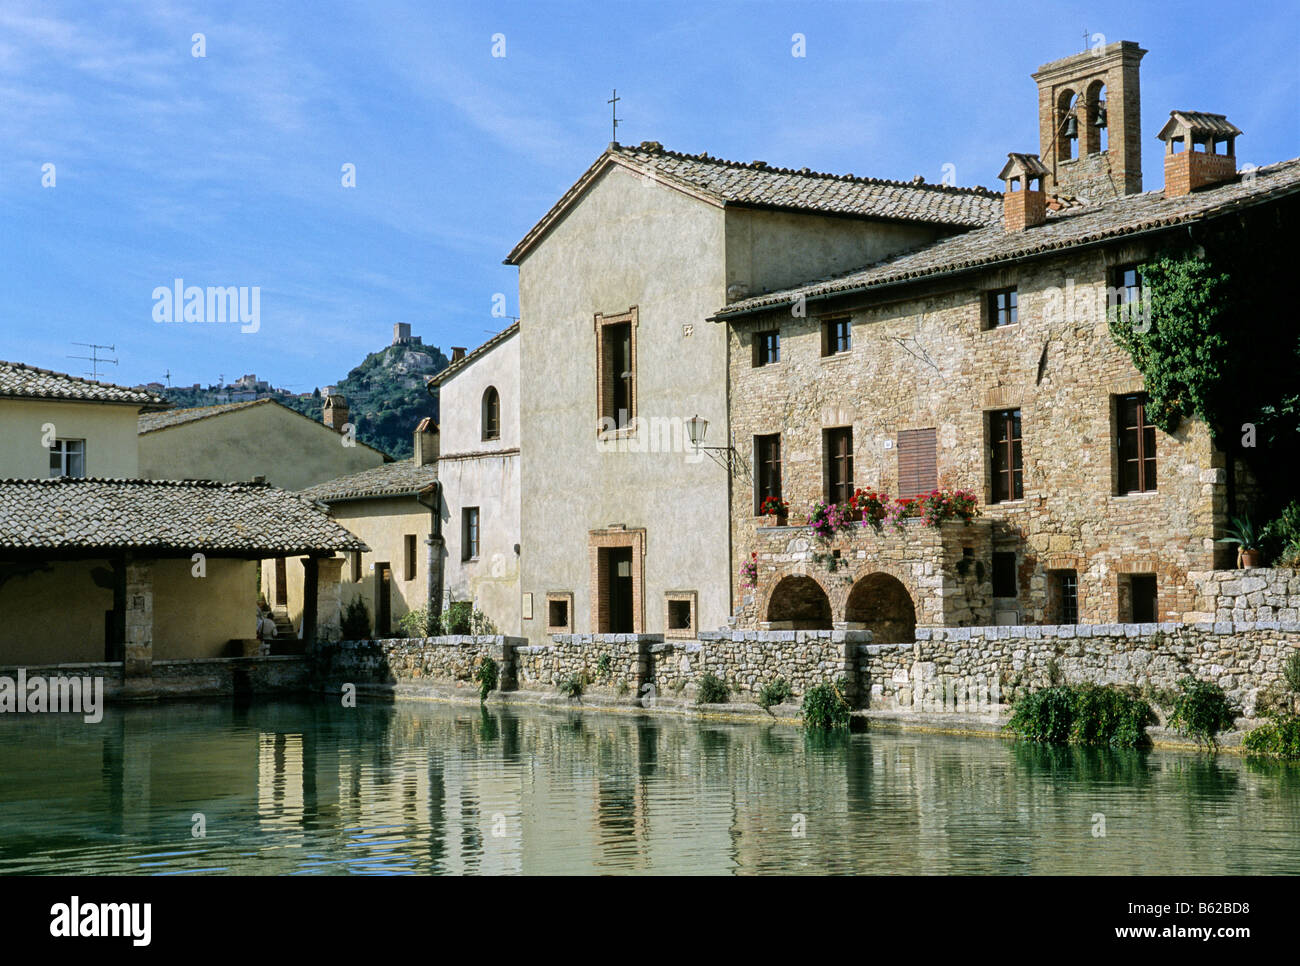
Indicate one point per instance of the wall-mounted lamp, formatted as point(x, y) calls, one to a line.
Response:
point(697, 429)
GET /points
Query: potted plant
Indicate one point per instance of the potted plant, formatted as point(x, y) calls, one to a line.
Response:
point(775, 507)
point(1242, 532)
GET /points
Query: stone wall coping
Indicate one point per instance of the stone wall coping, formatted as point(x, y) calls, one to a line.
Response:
point(449, 640)
point(607, 638)
point(1067, 631)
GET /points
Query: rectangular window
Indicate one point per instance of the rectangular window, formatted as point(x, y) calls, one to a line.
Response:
point(410, 556)
point(837, 447)
point(356, 566)
point(1137, 445)
point(1065, 596)
point(767, 347)
point(837, 336)
point(559, 613)
point(1143, 602)
point(679, 617)
point(918, 464)
point(767, 468)
point(616, 370)
point(68, 458)
point(1004, 574)
point(1008, 469)
point(1125, 284)
point(469, 533)
point(1001, 308)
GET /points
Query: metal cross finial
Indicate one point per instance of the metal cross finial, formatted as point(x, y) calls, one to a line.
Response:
point(1086, 37)
point(613, 113)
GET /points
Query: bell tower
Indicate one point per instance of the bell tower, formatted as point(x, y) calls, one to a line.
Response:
point(1090, 123)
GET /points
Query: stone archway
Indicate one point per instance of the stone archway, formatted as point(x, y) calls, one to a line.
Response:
point(799, 603)
point(881, 603)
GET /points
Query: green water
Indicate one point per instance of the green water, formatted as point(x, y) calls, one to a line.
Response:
point(312, 788)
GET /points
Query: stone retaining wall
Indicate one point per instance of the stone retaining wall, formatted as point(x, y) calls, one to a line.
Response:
point(961, 669)
point(1257, 594)
point(944, 669)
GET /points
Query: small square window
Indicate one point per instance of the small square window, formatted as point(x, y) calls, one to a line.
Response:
point(1001, 308)
point(559, 613)
point(68, 458)
point(837, 336)
point(767, 347)
point(679, 618)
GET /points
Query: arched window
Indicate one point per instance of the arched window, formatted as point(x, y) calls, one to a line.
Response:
point(1067, 126)
point(491, 414)
point(1095, 123)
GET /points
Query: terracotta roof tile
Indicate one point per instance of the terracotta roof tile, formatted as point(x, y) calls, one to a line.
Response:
point(402, 478)
point(27, 382)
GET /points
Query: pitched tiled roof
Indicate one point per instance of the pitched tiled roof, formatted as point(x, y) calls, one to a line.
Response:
point(1069, 228)
point(243, 519)
point(153, 422)
point(402, 478)
point(27, 382)
point(759, 184)
point(459, 364)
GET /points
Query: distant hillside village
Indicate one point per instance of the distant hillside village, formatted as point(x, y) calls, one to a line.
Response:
point(752, 417)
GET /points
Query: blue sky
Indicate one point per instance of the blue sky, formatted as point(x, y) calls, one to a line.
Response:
point(226, 170)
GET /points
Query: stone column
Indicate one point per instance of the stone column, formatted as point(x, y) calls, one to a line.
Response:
point(329, 611)
point(138, 639)
point(433, 563)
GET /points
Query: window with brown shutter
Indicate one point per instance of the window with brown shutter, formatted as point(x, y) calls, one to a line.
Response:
point(616, 400)
point(1007, 466)
point(918, 464)
point(838, 449)
point(1137, 445)
point(767, 468)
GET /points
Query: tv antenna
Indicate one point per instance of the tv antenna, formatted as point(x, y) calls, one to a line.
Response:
point(95, 359)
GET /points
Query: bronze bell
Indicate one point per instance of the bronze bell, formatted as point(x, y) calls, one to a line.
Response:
point(1071, 127)
point(1101, 116)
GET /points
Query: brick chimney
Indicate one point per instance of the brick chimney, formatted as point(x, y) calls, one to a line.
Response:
point(426, 442)
point(1090, 122)
point(336, 412)
point(1024, 203)
point(457, 353)
point(1200, 150)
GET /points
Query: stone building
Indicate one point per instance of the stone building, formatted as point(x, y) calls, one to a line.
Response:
point(624, 524)
point(478, 473)
point(984, 361)
point(243, 440)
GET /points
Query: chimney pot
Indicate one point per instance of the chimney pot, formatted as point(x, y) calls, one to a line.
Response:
point(1192, 156)
point(1024, 203)
point(457, 353)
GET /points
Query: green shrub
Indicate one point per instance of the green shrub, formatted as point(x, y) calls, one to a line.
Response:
point(414, 623)
point(1201, 710)
point(570, 685)
point(1082, 714)
point(1045, 715)
point(457, 618)
point(1278, 737)
point(1281, 536)
point(486, 676)
point(774, 692)
point(713, 690)
point(825, 708)
point(1291, 671)
point(356, 621)
point(604, 664)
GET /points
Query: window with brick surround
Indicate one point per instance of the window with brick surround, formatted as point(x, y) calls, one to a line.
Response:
point(469, 533)
point(679, 613)
point(1004, 573)
point(616, 371)
point(559, 613)
point(1142, 605)
point(1000, 308)
point(918, 465)
point(837, 336)
point(1137, 445)
point(767, 468)
point(1125, 284)
point(1063, 596)
point(409, 555)
point(767, 347)
point(491, 413)
point(837, 450)
point(1005, 456)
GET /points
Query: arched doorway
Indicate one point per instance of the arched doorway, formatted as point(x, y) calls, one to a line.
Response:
point(799, 603)
point(882, 603)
